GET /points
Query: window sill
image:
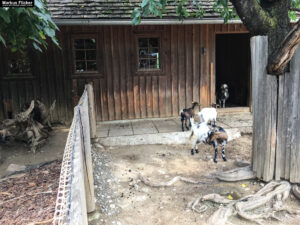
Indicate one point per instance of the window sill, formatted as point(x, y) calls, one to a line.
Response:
point(16, 76)
point(87, 75)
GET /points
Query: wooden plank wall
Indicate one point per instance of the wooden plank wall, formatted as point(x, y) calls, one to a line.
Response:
point(48, 82)
point(189, 73)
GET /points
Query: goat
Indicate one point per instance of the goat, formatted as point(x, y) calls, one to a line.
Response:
point(208, 114)
point(212, 136)
point(201, 131)
point(187, 114)
point(223, 95)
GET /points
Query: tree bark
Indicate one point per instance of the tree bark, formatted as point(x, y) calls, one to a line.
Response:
point(283, 54)
point(271, 19)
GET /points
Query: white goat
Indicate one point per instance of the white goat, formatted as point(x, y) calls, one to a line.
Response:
point(213, 136)
point(208, 115)
point(201, 132)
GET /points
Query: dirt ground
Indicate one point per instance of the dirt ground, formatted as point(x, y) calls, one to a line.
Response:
point(17, 153)
point(123, 200)
point(30, 197)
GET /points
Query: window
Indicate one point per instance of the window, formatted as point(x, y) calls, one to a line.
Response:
point(85, 55)
point(148, 53)
point(18, 63)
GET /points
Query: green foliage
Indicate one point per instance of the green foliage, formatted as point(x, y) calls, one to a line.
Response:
point(157, 7)
point(21, 26)
point(295, 4)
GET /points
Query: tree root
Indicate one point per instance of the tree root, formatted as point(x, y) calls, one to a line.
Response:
point(238, 174)
point(296, 191)
point(169, 183)
point(262, 205)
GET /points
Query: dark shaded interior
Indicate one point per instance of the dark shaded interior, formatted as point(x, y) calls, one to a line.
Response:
point(233, 67)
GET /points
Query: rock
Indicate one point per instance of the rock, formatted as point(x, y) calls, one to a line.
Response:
point(262, 184)
point(15, 168)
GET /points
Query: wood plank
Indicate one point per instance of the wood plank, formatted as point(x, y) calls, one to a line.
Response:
point(280, 153)
point(188, 64)
point(212, 58)
point(181, 68)
point(196, 62)
point(129, 75)
point(136, 97)
point(162, 96)
point(108, 69)
point(149, 98)
point(123, 77)
point(142, 94)
point(203, 60)
point(294, 117)
point(116, 72)
point(104, 100)
point(174, 70)
point(155, 97)
point(167, 62)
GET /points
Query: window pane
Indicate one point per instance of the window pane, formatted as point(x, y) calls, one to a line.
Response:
point(154, 63)
point(153, 42)
point(79, 44)
point(143, 52)
point(143, 42)
point(80, 55)
point(91, 55)
point(90, 43)
point(80, 66)
point(18, 63)
point(143, 64)
point(148, 50)
point(85, 55)
point(92, 66)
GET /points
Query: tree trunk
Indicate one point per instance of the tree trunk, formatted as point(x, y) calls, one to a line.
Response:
point(271, 19)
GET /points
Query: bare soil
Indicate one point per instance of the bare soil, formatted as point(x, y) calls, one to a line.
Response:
point(18, 153)
point(123, 200)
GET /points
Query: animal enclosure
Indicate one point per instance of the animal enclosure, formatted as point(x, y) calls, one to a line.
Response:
point(122, 91)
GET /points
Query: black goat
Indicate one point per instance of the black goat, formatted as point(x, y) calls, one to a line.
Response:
point(186, 114)
point(223, 95)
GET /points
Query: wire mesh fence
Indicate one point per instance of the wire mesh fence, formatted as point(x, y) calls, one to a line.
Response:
point(75, 192)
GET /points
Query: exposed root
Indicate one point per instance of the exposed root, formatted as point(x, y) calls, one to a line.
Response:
point(296, 191)
point(241, 163)
point(238, 174)
point(256, 208)
point(169, 183)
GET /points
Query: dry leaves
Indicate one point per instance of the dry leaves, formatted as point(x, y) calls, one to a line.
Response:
point(30, 199)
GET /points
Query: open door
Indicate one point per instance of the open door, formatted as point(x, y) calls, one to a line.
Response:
point(233, 65)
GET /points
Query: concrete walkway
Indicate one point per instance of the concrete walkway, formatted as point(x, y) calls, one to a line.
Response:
point(165, 130)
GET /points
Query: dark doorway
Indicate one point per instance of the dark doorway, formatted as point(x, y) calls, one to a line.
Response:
point(233, 67)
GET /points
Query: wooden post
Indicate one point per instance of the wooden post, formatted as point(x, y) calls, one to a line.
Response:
point(84, 112)
point(92, 113)
point(276, 117)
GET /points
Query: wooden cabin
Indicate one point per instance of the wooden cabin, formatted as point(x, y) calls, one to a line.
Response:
point(151, 70)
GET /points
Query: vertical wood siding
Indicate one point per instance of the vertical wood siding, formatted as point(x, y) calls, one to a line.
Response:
point(189, 73)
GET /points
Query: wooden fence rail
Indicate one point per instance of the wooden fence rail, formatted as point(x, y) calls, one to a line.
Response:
point(75, 196)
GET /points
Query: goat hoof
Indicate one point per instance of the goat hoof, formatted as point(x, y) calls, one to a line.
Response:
point(215, 160)
point(192, 152)
point(224, 159)
point(197, 151)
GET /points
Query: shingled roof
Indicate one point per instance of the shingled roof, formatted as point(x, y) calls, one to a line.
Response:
point(119, 12)
point(116, 10)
